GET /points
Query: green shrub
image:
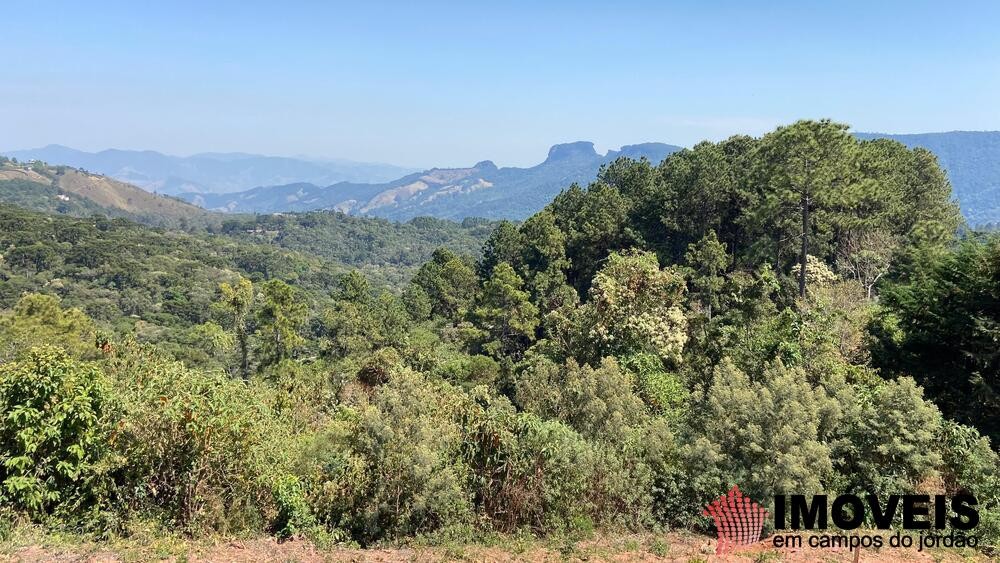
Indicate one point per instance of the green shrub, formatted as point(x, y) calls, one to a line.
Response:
point(40, 320)
point(762, 435)
point(892, 437)
point(54, 432)
point(202, 450)
point(662, 391)
point(969, 464)
point(469, 371)
point(597, 402)
point(294, 515)
point(551, 470)
point(391, 467)
point(543, 475)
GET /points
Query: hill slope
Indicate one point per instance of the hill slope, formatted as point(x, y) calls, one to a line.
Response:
point(209, 172)
point(68, 191)
point(482, 190)
point(972, 160)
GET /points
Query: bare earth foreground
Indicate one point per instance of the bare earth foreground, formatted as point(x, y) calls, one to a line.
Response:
point(674, 546)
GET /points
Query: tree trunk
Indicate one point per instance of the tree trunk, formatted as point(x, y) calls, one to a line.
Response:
point(244, 357)
point(805, 245)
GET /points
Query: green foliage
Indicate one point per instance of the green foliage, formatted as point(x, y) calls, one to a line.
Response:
point(449, 282)
point(503, 245)
point(707, 261)
point(384, 250)
point(634, 306)
point(238, 299)
point(555, 464)
point(892, 437)
point(202, 450)
point(380, 367)
point(765, 435)
point(540, 473)
point(391, 467)
point(971, 465)
point(942, 326)
point(417, 302)
point(594, 223)
point(39, 319)
point(47, 198)
point(505, 313)
point(361, 321)
point(470, 371)
point(54, 432)
point(616, 361)
point(281, 318)
point(294, 516)
point(597, 403)
point(805, 166)
point(663, 392)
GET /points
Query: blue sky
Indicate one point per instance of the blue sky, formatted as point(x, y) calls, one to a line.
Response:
point(450, 83)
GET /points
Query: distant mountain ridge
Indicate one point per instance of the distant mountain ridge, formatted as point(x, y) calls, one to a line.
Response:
point(971, 158)
point(482, 190)
point(209, 172)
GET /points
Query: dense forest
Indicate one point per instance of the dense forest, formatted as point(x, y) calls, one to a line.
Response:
point(798, 313)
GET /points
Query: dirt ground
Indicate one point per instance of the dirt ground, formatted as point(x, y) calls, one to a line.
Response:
point(686, 547)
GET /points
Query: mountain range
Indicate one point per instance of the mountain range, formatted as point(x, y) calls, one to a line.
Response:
point(210, 172)
point(219, 181)
point(481, 190)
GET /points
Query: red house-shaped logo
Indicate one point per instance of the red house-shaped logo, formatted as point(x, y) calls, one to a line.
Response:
point(738, 520)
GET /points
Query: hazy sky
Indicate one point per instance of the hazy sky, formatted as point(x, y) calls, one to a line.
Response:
point(450, 83)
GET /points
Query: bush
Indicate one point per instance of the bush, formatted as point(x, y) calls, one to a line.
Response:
point(527, 472)
point(380, 366)
point(470, 371)
point(892, 438)
point(598, 403)
point(392, 466)
point(970, 465)
point(552, 467)
point(542, 474)
point(54, 434)
point(294, 516)
point(203, 450)
point(40, 320)
point(762, 435)
point(662, 391)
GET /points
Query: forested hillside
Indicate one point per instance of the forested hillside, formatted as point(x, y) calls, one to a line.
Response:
point(792, 313)
point(360, 241)
point(159, 285)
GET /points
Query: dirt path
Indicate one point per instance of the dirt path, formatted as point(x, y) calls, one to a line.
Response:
point(663, 547)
